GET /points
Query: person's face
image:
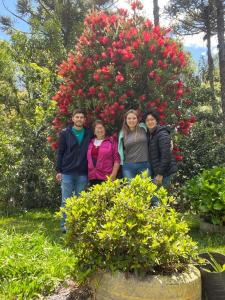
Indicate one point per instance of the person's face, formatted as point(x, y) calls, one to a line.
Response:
point(100, 131)
point(131, 120)
point(78, 120)
point(150, 122)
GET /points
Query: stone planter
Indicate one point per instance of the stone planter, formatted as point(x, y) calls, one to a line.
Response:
point(184, 286)
point(211, 228)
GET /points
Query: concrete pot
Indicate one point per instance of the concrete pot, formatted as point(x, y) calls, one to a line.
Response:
point(183, 286)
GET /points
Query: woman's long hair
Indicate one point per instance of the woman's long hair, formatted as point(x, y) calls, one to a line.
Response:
point(125, 128)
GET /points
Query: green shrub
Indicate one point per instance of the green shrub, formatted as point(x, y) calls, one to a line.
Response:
point(206, 192)
point(112, 227)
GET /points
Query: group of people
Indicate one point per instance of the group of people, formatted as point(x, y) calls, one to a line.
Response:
point(87, 157)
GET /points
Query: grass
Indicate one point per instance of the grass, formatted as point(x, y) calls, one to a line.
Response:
point(206, 242)
point(34, 260)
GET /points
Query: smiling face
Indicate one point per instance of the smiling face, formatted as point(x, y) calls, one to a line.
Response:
point(79, 120)
point(131, 121)
point(150, 122)
point(99, 131)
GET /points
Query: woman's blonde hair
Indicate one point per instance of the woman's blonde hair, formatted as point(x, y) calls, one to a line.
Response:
point(125, 128)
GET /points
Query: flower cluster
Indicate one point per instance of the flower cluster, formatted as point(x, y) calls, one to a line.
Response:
point(123, 62)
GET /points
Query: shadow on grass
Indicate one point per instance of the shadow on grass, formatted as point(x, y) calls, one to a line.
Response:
point(42, 221)
point(209, 242)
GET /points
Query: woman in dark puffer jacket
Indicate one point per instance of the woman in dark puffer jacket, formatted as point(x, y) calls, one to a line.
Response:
point(161, 158)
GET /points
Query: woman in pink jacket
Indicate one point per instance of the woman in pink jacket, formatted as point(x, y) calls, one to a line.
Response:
point(103, 157)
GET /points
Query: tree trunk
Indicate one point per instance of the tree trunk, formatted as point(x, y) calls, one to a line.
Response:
point(156, 12)
point(221, 45)
point(210, 75)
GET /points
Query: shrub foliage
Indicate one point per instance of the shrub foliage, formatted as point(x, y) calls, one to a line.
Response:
point(206, 192)
point(112, 227)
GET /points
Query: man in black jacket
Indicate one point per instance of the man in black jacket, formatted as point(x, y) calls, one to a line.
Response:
point(71, 165)
point(162, 161)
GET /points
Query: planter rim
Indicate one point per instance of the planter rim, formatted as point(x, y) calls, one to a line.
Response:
point(174, 276)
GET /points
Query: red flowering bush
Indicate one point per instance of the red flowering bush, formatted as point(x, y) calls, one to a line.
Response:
point(122, 62)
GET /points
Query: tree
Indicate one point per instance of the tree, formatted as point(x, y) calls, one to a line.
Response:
point(26, 108)
point(27, 83)
point(54, 21)
point(121, 63)
point(221, 44)
point(197, 16)
point(156, 12)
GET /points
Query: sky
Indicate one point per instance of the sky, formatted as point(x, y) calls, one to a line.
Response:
point(193, 43)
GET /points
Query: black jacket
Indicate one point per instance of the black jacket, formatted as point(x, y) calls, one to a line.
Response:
point(72, 157)
point(160, 155)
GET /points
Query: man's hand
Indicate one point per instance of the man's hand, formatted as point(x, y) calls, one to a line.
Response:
point(59, 177)
point(158, 180)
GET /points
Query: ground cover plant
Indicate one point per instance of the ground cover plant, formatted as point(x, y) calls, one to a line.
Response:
point(33, 259)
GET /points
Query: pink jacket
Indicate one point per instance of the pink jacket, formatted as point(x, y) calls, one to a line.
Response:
point(107, 156)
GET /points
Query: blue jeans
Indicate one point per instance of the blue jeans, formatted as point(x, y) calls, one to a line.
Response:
point(71, 185)
point(130, 170)
point(165, 184)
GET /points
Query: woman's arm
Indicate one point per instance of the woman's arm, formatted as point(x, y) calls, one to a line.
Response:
point(115, 170)
point(165, 151)
point(116, 160)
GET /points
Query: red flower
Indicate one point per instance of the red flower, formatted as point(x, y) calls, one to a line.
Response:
point(112, 94)
point(130, 93)
point(182, 124)
point(104, 55)
point(193, 119)
point(104, 40)
point(50, 139)
point(136, 44)
point(105, 70)
point(146, 36)
point(152, 74)
point(92, 90)
point(152, 48)
point(55, 146)
point(180, 92)
point(136, 5)
point(179, 157)
point(148, 23)
point(122, 12)
point(119, 77)
point(123, 98)
point(101, 96)
point(142, 98)
point(96, 77)
point(150, 62)
point(135, 63)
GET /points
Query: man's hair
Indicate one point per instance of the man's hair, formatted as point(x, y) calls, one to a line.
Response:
point(78, 111)
point(152, 112)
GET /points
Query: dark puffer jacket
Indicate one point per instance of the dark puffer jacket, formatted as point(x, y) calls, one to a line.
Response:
point(72, 157)
point(160, 155)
